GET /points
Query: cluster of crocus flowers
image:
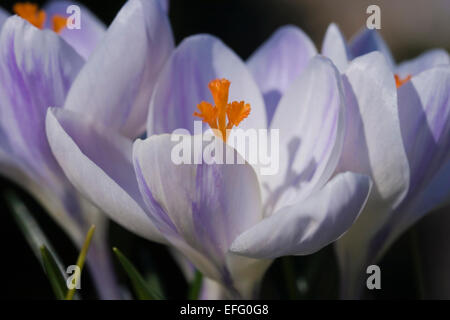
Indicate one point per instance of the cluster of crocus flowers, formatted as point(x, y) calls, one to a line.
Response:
point(364, 143)
point(226, 220)
point(397, 128)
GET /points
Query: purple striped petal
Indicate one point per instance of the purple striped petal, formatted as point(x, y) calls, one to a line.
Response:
point(200, 208)
point(83, 40)
point(184, 83)
point(117, 82)
point(36, 71)
point(278, 62)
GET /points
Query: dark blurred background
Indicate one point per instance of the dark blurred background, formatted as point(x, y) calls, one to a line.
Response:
point(410, 269)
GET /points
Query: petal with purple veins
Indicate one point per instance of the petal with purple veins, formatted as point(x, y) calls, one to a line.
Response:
point(37, 69)
point(200, 208)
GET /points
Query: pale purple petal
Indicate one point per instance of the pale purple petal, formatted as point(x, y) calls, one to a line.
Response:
point(36, 71)
point(373, 146)
point(335, 47)
point(426, 60)
point(310, 120)
point(369, 40)
point(278, 62)
point(83, 40)
point(310, 224)
point(373, 143)
point(183, 84)
point(200, 207)
point(117, 82)
point(424, 109)
point(98, 163)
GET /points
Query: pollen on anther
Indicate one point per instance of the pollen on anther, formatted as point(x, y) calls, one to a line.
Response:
point(399, 81)
point(37, 17)
point(222, 116)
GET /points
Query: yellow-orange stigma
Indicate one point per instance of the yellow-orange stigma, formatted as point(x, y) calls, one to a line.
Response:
point(222, 116)
point(399, 81)
point(35, 16)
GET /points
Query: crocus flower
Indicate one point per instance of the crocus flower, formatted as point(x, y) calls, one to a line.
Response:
point(420, 110)
point(37, 70)
point(228, 221)
point(405, 125)
point(378, 134)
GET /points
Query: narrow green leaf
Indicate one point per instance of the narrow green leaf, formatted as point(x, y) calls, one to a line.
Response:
point(82, 259)
point(196, 285)
point(141, 288)
point(33, 233)
point(54, 275)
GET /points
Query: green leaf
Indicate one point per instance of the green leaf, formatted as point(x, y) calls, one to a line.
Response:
point(82, 259)
point(196, 285)
point(140, 286)
point(54, 275)
point(30, 228)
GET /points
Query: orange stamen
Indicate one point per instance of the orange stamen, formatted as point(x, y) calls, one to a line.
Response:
point(399, 82)
point(58, 23)
point(216, 116)
point(31, 13)
point(35, 16)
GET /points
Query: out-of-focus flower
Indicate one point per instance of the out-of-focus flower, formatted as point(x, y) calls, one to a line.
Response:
point(418, 149)
point(217, 215)
point(37, 71)
point(53, 16)
point(382, 125)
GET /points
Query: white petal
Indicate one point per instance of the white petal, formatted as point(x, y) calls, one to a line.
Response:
point(335, 47)
point(117, 82)
point(373, 146)
point(309, 225)
point(310, 120)
point(98, 163)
